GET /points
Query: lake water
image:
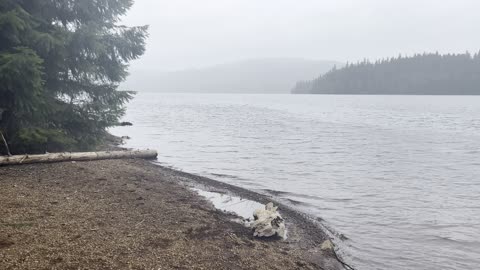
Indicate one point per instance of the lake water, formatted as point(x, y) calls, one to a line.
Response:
point(399, 176)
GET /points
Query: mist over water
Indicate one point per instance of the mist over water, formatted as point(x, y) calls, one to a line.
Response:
point(397, 175)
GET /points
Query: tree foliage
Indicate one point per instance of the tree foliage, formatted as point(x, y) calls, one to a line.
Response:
point(61, 62)
point(429, 74)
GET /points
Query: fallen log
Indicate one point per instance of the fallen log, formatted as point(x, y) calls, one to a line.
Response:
point(76, 156)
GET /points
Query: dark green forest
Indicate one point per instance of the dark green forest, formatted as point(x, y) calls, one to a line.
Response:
point(61, 62)
point(421, 74)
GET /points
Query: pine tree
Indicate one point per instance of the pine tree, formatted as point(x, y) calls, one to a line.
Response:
point(61, 62)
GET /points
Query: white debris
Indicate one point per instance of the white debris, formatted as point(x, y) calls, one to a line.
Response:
point(268, 222)
point(327, 245)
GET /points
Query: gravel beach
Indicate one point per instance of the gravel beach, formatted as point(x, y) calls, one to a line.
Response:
point(132, 214)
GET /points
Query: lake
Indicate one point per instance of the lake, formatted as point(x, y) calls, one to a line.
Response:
point(398, 176)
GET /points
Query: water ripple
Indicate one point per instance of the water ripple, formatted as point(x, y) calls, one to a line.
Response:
point(397, 175)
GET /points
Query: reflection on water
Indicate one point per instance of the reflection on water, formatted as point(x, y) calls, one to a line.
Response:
point(397, 175)
point(242, 207)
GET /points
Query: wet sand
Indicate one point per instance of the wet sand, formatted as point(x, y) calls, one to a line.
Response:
point(132, 214)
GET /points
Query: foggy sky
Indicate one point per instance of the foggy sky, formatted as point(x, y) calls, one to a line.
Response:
point(198, 33)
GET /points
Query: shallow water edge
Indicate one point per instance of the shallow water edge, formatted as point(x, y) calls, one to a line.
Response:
point(304, 231)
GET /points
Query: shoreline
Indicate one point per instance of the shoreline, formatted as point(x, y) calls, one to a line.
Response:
point(37, 198)
point(304, 231)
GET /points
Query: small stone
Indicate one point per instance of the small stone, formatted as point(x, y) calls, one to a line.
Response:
point(327, 245)
point(301, 264)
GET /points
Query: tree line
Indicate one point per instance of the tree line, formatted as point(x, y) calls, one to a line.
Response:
point(61, 62)
point(421, 74)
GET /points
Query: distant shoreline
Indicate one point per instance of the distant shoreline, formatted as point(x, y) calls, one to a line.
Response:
point(384, 94)
point(291, 93)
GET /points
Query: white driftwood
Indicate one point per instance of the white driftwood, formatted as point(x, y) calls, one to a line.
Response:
point(268, 222)
point(79, 156)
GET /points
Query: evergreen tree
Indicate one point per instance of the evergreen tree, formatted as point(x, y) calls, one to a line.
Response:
point(61, 62)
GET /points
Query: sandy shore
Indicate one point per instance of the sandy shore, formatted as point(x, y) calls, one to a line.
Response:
point(131, 214)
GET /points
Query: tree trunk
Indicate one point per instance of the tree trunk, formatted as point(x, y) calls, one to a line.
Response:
point(80, 156)
point(6, 144)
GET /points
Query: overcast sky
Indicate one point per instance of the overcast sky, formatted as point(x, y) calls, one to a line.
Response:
point(197, 33)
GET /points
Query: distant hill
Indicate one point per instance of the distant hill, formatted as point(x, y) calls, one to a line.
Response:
point(422, 74)
point(273, 75)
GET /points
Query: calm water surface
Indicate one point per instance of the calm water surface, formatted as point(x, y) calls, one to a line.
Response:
point(399, 176)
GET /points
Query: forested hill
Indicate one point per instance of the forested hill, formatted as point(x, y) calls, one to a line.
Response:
point(267, 75)
point(422, 74)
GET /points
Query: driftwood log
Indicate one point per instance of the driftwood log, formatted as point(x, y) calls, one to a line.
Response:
point(79, 156)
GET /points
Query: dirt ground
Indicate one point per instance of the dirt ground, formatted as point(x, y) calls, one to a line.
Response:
point(124, 214)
